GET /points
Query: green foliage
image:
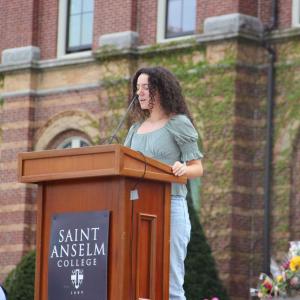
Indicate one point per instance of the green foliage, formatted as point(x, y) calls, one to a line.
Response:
point(1, 81)
point(20, 281)
point(201, 279)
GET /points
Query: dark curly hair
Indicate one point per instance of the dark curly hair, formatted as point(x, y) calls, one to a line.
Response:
point(163, 82)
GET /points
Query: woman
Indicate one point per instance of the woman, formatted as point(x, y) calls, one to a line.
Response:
point(164, 131)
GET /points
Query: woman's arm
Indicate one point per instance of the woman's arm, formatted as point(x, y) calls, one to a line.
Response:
point(191, 169)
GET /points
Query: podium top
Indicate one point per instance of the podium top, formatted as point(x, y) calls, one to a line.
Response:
point(95, 161)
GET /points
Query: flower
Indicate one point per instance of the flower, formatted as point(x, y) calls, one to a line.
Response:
point(279, 278)
point(285, 279)
point(286, 265)
point(268, 285)
point(295, 263)
point(294, 282)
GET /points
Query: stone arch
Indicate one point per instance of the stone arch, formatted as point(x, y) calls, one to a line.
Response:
point(79, 121)
point(68, 136)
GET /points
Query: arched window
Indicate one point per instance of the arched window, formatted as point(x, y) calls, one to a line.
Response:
point(73, 142)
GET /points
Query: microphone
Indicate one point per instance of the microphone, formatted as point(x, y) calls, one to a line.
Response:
point(114, 135)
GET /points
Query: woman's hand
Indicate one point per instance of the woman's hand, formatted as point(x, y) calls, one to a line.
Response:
point(191, 169)
point(179, 168)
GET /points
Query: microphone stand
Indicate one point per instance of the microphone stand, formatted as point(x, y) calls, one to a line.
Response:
point(114, 135)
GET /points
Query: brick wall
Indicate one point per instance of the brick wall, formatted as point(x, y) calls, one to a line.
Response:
point(248, 7)
point(47, 28)
point(17, 210)
point(113, 16)
point(264, 11)
point(248, 172)
point(34, 22)
point(218, 8)
point(284, 13)
point(17, 22)
point(147, 23)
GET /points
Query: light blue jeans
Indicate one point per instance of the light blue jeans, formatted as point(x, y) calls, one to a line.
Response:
point(180, 237)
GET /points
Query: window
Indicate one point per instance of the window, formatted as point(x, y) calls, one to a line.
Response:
point(75, 27)
point(181, 18)
point(80, 25)
point(176, 18)
point(296, 13)
point(73, 142)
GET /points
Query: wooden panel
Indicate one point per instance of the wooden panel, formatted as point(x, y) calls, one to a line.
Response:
point(71, 163)
point(146, 256)
point(98, 161)
point(60, 166)
point(151, 266)
point(80, 196)
point(39, 241)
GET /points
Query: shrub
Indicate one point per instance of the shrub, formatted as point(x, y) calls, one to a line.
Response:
point(201, 278)
point(20, 281)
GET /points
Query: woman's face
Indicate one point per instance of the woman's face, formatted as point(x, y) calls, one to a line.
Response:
point(142, 90)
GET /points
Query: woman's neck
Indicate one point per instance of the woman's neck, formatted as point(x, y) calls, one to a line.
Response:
point(157, 115)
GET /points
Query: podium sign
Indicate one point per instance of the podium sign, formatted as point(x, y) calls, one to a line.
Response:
point(78, 256)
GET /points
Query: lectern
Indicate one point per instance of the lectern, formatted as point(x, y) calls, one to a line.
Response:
point(75, 182)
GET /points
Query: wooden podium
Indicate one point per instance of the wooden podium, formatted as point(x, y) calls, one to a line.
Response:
point(101, 178)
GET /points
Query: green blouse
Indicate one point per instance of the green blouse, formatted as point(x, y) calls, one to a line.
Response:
point(175, 141)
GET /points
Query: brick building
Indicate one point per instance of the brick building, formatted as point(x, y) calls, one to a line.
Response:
point(64, 74)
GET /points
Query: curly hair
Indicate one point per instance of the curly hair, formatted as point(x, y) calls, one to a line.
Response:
point(163, 82)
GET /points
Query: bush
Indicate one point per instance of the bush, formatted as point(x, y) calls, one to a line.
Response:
point(201, 279)
point(20, 281)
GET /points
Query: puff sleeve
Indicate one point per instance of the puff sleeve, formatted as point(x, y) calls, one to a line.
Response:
point(185, 136)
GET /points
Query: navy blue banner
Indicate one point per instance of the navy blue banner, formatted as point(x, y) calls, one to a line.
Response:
point(78, 256)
